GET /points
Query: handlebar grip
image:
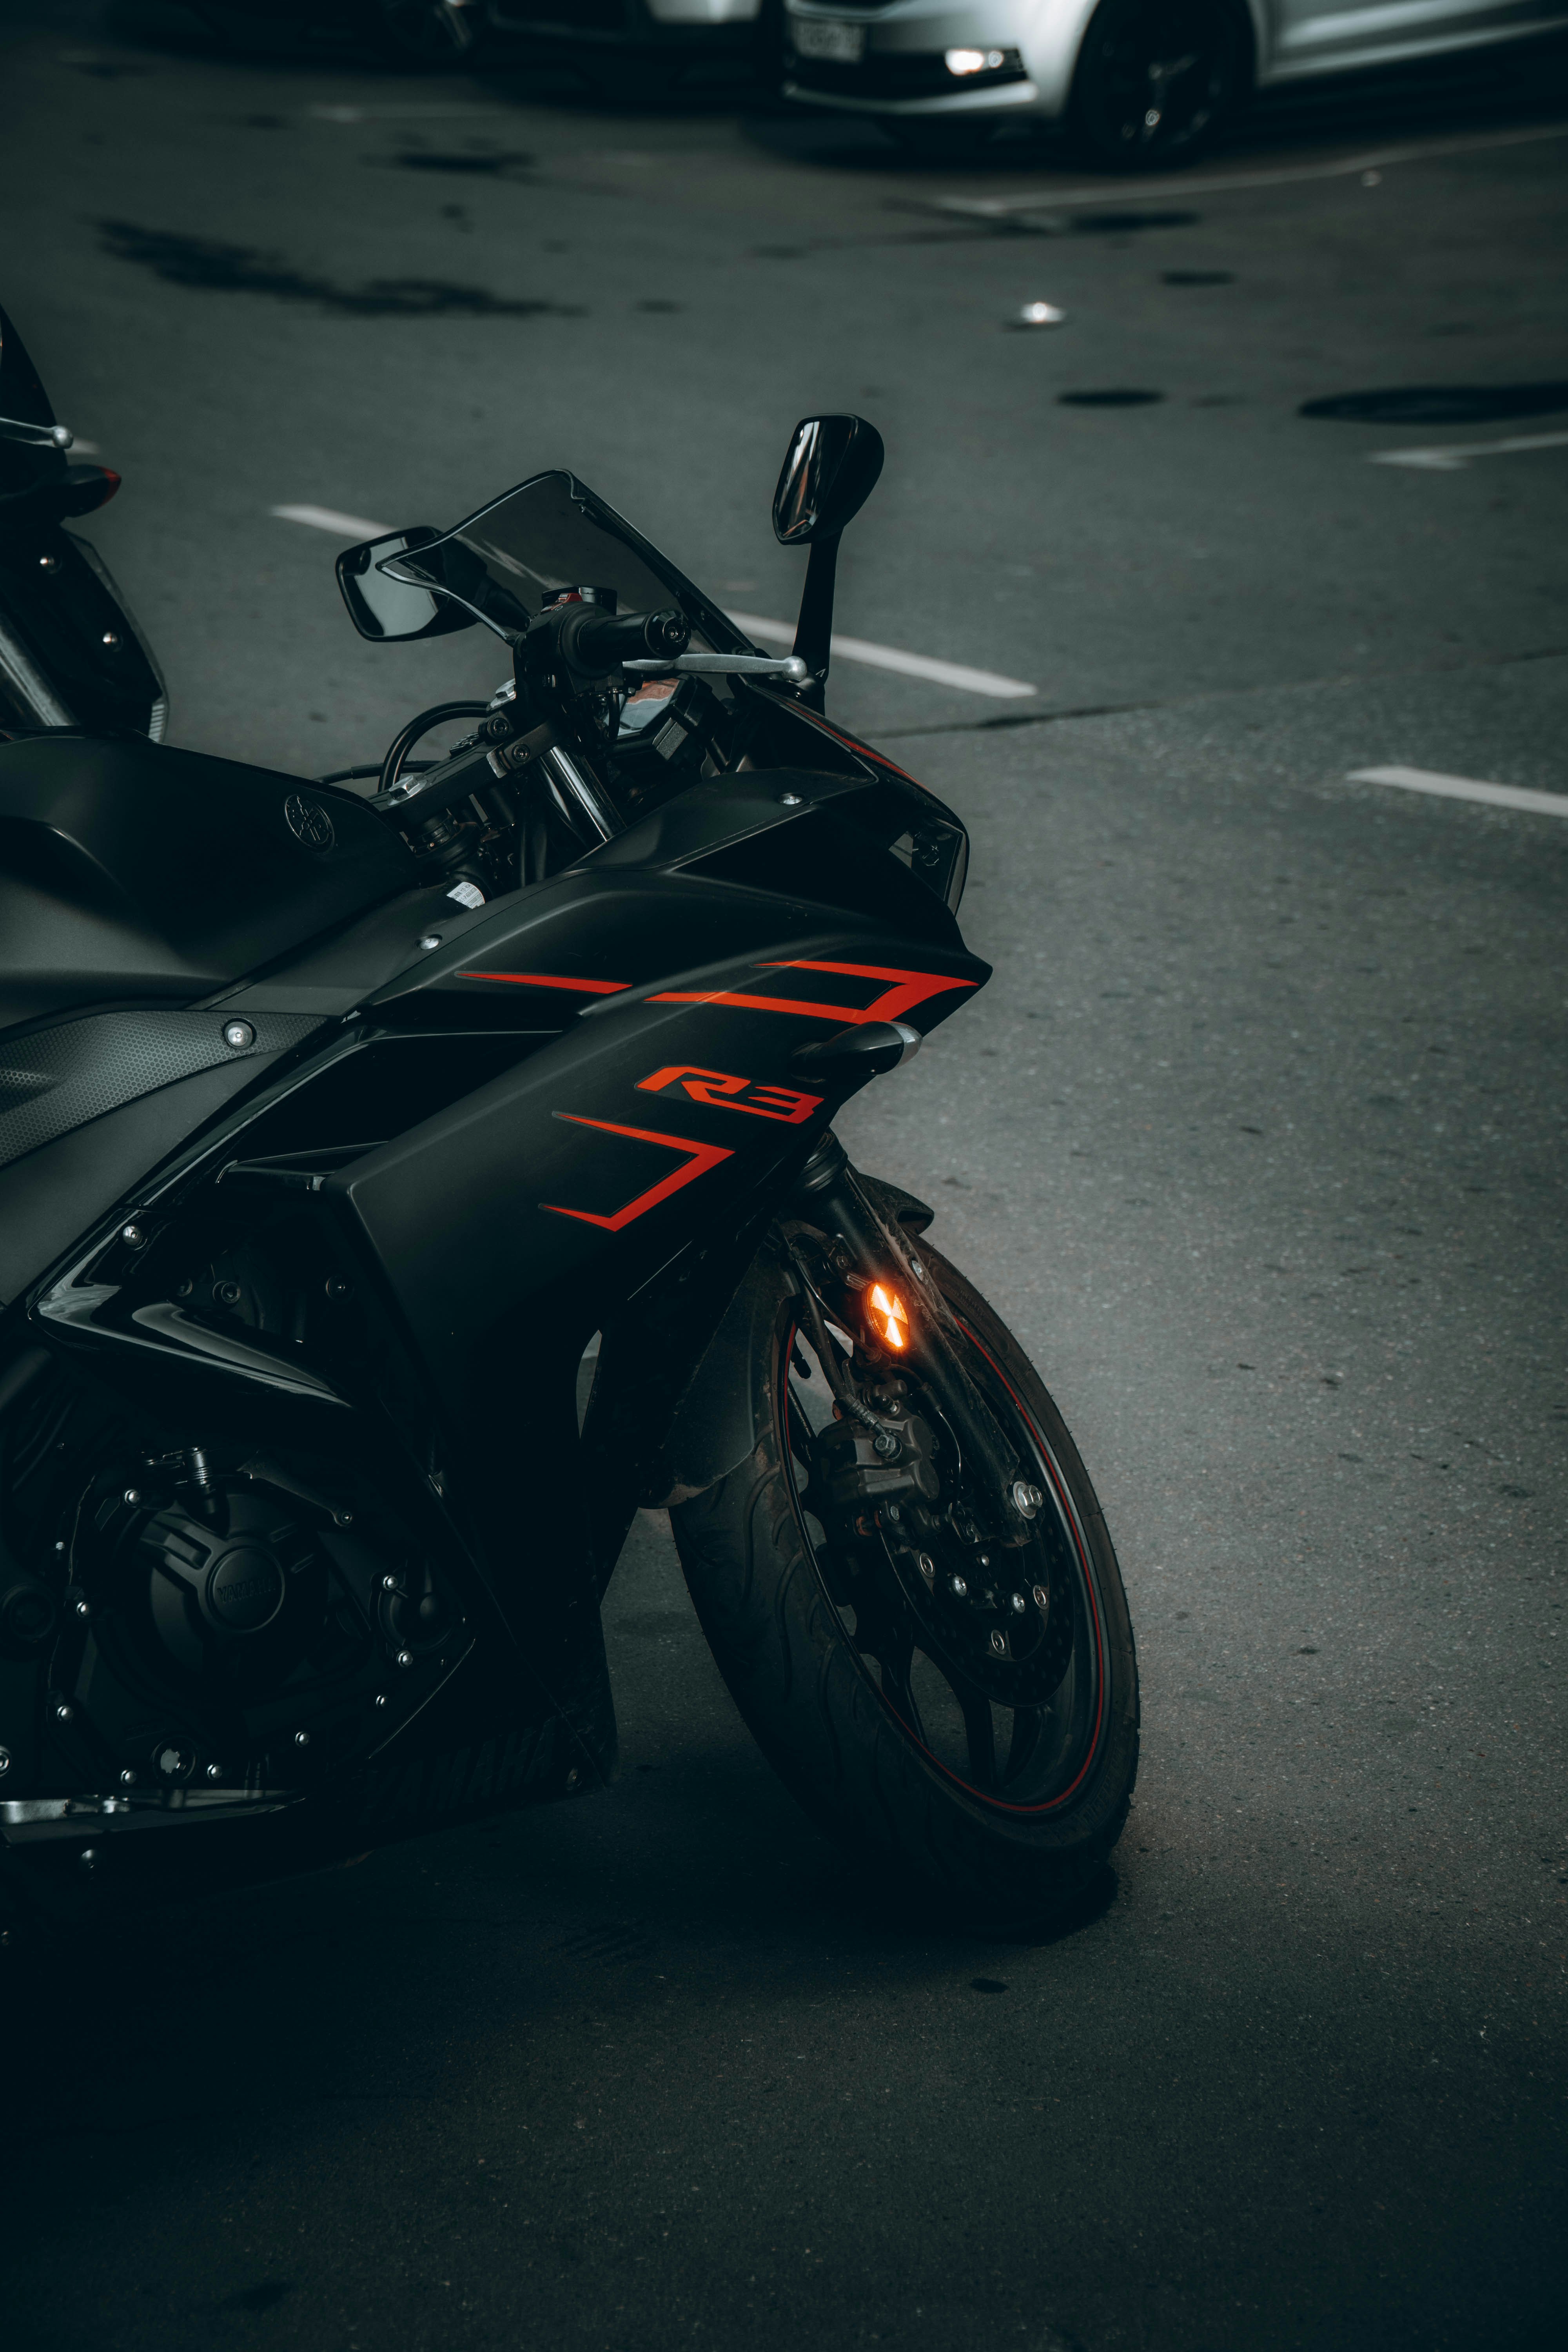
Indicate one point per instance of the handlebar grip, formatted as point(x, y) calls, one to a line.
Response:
point(603, 640)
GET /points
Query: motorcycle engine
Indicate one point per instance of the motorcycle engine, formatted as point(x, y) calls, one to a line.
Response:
point(237, 1627)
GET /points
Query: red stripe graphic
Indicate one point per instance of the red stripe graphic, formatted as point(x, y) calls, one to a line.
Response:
point(553, 980)
point(701, 1157)
point(906, 989)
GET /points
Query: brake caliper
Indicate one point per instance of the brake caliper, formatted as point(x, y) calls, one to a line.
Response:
point(856, 1466)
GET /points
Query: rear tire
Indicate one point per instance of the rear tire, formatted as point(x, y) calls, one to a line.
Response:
point(1157, 80)
point(831, 1717)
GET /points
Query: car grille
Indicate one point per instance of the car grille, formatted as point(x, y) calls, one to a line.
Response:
point(894, 75)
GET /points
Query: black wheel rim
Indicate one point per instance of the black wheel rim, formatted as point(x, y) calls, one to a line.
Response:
point(1019, 1732)
point(427, 29)
point(1162, 71)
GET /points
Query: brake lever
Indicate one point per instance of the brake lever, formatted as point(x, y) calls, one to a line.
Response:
point(788, 667)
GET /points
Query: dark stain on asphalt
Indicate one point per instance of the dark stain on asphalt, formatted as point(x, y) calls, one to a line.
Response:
point(1127, 224)
point(986, 1984)
point(1442, 404)
point(212, 268)
point(476, 166)
point(1116, 397)
point(264, 2297)
point(1198, 277)
point(611, 1945)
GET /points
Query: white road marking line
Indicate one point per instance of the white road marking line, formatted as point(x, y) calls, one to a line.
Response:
point(328, 519)
point(1453, 457)
point(857, 649)
point(1048, 199)
point(781, 633)
point(1463, 788)
point(409, 113)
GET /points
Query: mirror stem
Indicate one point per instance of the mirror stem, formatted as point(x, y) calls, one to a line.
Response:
point(814, 630)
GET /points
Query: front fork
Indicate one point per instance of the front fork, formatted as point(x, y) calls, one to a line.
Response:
point(872, 1251)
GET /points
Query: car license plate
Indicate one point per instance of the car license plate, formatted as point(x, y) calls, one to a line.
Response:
point(828, 37)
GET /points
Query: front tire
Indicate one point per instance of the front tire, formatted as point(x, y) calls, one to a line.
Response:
point(1157, 80)
point(892, 1739)
point(422, 34)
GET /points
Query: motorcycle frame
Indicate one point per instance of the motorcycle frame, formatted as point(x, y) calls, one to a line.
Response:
point(617, 1173)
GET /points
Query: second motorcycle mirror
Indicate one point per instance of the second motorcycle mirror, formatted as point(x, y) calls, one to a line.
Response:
point(382, 606)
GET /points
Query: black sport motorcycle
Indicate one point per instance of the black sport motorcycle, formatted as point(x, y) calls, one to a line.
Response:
point(404, 1176)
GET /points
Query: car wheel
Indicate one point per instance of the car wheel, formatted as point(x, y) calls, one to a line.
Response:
point(424, 33)
point(1157, 78)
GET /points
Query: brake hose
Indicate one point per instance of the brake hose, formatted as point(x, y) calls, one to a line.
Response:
point(403, 743)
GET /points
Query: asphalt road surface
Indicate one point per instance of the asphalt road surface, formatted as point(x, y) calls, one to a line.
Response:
point(1257, 1137)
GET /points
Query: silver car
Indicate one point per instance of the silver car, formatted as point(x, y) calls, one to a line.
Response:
point(1141, 83)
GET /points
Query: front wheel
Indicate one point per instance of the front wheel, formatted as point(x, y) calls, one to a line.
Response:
point(427, 34)
point(968, 1719)
point(1157, 80)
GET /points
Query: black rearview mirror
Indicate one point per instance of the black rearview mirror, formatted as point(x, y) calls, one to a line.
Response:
point(830, 472)
point(385, 608)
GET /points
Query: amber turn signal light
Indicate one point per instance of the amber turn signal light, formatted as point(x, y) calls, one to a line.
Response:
point(891, 1316)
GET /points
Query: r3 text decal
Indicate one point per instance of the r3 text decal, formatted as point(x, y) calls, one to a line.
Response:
point(724, 1092)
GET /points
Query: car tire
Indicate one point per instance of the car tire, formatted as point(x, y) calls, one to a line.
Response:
point(422, 34)
point(1157, 80)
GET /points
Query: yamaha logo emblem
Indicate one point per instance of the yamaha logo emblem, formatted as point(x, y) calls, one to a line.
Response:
point(307, 822)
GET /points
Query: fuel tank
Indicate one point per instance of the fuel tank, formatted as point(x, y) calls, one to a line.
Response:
point(132, 873)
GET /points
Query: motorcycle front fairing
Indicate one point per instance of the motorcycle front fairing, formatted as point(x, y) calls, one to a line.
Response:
point(572, 1110)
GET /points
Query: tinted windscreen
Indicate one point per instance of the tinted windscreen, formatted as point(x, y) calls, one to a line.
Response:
point(551, 533)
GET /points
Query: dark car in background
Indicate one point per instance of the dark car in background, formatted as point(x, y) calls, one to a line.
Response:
point(427, 33)
point(651, 48)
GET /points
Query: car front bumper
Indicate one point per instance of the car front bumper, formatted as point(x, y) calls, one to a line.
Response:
point(901, 69)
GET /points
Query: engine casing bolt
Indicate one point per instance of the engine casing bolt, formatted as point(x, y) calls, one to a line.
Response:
point(1019, 1604)
point(926, 1565)
point(133, 1237)
point(959, 1587)
point(405, 1657)
point(1041, 1598)
point(302, 1740)
point(999, 1643)
point(63, 1711)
